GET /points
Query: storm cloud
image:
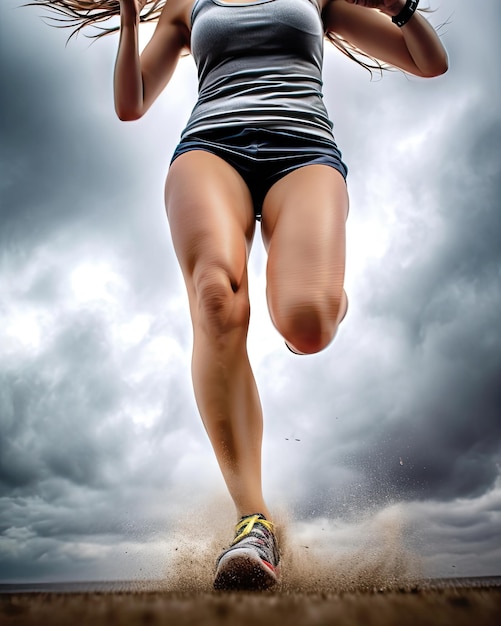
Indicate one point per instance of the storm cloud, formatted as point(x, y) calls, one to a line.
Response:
point(101, 446)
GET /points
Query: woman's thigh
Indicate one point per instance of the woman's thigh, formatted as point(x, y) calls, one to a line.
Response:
point(303, 225)
point(210, 213)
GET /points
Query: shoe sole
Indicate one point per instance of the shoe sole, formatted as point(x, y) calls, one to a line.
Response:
point(242, 570)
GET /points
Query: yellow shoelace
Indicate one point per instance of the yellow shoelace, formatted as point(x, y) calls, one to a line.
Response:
point(245, 526)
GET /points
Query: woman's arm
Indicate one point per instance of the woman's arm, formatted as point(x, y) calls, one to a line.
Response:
point(139, 79)
point(414, 47)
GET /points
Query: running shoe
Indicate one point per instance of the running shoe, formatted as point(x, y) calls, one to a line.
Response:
point(251, 563)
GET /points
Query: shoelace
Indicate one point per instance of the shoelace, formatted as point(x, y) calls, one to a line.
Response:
point(245, 526)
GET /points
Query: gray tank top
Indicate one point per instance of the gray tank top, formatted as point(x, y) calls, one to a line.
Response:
point(259, 66)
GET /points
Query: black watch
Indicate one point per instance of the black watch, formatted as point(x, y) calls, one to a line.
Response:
point(406, 13)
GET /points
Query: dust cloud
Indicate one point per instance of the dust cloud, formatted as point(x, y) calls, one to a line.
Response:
point(323, 555)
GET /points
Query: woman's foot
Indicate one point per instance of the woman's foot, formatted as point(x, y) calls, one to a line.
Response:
point(252, 562)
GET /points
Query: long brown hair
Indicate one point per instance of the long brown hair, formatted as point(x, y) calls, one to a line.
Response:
point(355, 54)
point(80, 14)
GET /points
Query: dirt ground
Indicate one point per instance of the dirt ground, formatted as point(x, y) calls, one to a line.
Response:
point(441, 606)
point(376, 583)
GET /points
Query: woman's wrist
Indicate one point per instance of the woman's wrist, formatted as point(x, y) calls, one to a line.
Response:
point(129, 15)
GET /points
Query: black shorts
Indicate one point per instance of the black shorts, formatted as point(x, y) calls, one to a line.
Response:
point(263, 156)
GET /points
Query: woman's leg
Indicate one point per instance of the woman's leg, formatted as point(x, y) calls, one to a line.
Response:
point(304, 217)
point(212, 224)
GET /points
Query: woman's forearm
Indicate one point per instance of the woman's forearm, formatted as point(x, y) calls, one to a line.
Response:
point(128, 81)
point(424, 46)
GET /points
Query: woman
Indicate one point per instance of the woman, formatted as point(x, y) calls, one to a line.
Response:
point(258, 145)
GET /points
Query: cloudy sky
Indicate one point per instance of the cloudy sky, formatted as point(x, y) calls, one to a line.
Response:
point(394, 431)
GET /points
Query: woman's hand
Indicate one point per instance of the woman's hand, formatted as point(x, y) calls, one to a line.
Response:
point(389, 7)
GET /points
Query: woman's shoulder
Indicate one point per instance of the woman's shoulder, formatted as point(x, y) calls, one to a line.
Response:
point(176, 11)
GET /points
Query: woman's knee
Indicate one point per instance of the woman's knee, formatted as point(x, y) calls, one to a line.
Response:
point(308, 326)
point(221, 301)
